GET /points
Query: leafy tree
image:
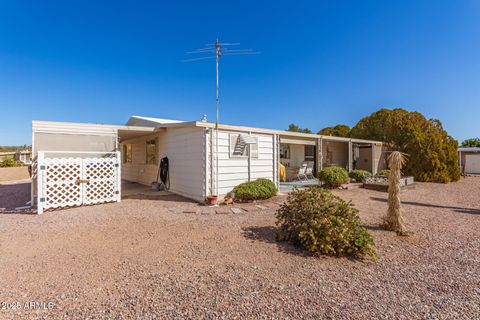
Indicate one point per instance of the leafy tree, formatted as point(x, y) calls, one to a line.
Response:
point(340, 130)
point(432, 153)
point(293, 127)
point(472, 143)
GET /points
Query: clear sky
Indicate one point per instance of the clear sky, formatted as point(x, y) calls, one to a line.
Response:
point(322, 62)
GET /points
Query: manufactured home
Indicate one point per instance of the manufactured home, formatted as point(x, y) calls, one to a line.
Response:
point(77, 163)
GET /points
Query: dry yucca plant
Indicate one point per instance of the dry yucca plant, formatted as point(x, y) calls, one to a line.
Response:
point(394, 220)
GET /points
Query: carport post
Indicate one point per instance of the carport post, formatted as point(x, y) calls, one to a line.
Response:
point(40, 173)
point(350, 156)
point(119, 175)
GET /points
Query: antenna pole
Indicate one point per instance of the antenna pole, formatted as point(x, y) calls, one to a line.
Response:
point(220, 49)
point(218, 52)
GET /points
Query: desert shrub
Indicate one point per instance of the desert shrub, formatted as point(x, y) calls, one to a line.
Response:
point(8, 162)
point(323, 223)
point(432, 153)
point(333, 177)
point(384, 172)
point(255, 190)
point(359, 175)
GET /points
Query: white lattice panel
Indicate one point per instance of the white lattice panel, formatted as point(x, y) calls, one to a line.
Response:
point(102, 176)
point(59, 181)
point(65, 182)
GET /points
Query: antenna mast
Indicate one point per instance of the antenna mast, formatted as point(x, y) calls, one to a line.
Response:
point(218, 49)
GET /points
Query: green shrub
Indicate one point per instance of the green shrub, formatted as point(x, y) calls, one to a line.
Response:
point(8, 162)
point(323, 223)
point(333, 177)
point(359, 175)
point(384, 172)
point(255, 190)
point(432, 153)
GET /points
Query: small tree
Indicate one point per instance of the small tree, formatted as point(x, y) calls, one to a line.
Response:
point(394, 220)
point(294, 128)
point(473, 142)
point(339, 130)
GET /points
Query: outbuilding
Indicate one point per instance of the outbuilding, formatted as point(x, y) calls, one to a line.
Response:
point(469, 160)
point(77, 163)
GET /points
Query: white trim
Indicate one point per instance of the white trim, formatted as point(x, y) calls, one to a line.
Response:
point(40, 175)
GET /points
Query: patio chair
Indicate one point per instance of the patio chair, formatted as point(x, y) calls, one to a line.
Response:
point(301, 175)
point(309, 172)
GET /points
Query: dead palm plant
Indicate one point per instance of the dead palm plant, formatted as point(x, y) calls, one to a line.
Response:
point(394, 219)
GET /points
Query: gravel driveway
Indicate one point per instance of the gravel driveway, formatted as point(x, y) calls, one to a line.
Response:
point(152, 259)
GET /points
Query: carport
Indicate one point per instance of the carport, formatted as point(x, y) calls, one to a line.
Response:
point(76, 164)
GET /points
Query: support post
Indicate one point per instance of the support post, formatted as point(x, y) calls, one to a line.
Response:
point(319, 156)
point(350, 156)
point(374, 167)
point(40, 177)
point(275, 163)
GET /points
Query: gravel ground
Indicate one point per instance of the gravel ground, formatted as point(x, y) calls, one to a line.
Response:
point(146, 258)
point(14, 173)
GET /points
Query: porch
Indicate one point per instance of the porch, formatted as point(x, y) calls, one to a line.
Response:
point(286, 187)
point(318, 152)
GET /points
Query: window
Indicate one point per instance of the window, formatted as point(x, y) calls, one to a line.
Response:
point(127, 153)
point(284, 151)
point(309, 153)
point(151, 152)
point(241, 144)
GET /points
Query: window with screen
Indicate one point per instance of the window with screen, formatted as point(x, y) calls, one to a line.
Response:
point(151, 152)
point(127, 153)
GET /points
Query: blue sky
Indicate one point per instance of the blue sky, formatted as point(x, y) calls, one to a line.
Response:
point(322, 62)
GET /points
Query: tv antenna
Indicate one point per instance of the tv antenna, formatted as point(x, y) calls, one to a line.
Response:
point(215, 51)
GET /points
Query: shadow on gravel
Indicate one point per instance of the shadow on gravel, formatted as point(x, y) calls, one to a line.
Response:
point(429, 205)
point(163, 197)
point(12, 196)
point(267, 235)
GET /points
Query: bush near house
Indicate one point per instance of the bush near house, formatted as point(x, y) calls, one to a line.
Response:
point(432, 153)
point(323, 223)
point(384, 172)
point(8, 162)
point(333, 177)
point(255, 190)
point(359, 175)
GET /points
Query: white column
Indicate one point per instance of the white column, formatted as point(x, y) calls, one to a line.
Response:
point(350, 157)
point(374, 167)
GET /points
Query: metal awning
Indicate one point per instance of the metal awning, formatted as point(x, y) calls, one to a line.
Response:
point(247, 139)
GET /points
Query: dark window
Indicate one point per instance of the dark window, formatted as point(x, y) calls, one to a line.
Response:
point(309, 153)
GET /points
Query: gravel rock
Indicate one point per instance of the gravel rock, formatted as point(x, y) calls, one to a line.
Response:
point(135, 259)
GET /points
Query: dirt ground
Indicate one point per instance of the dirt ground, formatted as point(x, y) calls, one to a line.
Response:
point(14, 173)
point(170, 258)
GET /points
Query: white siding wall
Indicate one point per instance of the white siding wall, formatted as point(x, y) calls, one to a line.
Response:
point(184, 148)
point(234, 170)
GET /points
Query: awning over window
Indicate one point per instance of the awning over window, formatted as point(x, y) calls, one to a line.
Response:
point(246, 139)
